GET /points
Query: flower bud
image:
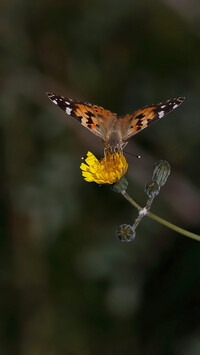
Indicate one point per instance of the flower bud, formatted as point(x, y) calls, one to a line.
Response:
point(152, 189)
point(125, 233)
point(161, 172)
point(120, 186)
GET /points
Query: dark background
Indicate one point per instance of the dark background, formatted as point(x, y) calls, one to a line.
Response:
point(67, 285)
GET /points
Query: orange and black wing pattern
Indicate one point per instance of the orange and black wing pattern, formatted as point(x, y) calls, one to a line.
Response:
point(93, 117)
point(140, 119)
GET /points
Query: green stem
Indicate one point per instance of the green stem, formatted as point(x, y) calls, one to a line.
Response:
point(129, 198)
point(163, 221)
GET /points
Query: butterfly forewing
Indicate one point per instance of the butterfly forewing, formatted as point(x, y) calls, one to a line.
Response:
point(93, 117)
point(144, 117)
point(113, 130)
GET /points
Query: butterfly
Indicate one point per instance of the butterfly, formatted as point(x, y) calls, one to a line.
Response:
point(112, 129)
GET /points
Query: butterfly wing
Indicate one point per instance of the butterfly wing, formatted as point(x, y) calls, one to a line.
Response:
point(144, 117)
point(93, 117)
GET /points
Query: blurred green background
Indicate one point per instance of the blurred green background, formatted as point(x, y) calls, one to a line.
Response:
point(68, 286)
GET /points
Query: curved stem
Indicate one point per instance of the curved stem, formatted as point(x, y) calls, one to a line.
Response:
point(161, 220)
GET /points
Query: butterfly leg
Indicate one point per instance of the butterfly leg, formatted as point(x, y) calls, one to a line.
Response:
point(105, 153)
point(124, 144)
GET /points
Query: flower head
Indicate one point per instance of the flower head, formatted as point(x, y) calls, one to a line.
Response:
point(107, 171)
point(125, 233)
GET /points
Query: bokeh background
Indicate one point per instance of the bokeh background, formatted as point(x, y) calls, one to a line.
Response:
point(67, 284)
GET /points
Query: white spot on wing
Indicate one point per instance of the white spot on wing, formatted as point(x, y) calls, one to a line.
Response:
point(161, 114)
point(55, 102)
point(68, 110)
point(175, 106)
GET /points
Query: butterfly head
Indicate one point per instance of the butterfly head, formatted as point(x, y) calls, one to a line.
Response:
point(112, 150)
point(114, 144)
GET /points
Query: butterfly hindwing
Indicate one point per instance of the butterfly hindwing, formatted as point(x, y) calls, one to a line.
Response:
point(144, 117)
point(113, 130)
point(93, 117)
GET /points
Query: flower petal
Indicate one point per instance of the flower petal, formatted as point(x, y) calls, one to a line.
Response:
point(107, 171)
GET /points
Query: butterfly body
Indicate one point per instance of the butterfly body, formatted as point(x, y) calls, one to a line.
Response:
point(113, 138)
point(112, 129)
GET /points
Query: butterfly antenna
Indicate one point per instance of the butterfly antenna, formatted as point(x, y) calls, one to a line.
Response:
point(134, 155)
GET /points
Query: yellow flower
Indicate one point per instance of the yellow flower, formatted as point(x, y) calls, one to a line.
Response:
point(107, 171)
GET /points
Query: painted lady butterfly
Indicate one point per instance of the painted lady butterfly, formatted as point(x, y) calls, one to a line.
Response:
point(112, 129)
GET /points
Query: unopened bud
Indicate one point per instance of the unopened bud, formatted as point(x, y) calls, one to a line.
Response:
point(152, 189)
point(161, 172)
point(125, 233)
